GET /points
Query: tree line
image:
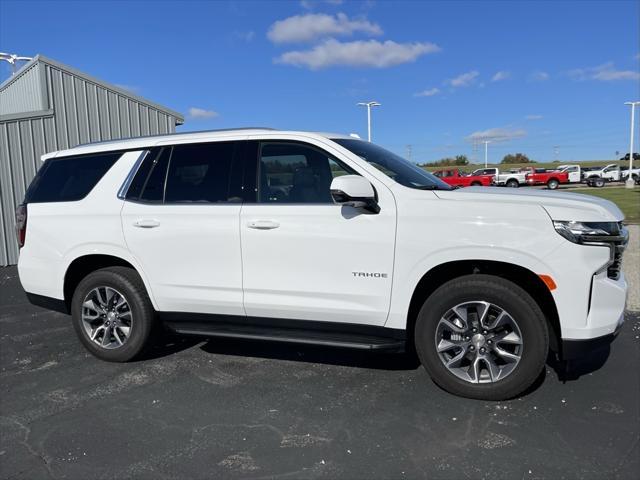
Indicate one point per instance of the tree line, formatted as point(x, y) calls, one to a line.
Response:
point(461, 160)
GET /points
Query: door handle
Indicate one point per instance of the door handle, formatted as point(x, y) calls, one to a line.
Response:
point(263, 224)
point(146, 223)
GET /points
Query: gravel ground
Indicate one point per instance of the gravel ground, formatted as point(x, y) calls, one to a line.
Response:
point(631, 268)
point(220, 409)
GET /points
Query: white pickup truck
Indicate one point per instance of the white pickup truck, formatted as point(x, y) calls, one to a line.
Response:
point(613, 173)
point(513, 178)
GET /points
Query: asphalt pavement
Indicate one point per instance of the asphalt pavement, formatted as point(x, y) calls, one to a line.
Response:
point(237, 409)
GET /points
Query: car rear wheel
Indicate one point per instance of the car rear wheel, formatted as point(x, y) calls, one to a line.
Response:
point(481, 336)
point(512, 183)
point(476, 184)
point(552, 184)
point(112, 314)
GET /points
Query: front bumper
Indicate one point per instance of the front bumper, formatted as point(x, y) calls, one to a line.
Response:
point(572, 349)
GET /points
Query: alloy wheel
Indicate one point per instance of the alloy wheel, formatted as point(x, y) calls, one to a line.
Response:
point(479, 342)
point(107, 317)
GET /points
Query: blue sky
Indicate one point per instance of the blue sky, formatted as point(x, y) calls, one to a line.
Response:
point(543, 78)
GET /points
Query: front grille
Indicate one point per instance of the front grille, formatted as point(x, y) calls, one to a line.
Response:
point(613, 271)
point(617, 250)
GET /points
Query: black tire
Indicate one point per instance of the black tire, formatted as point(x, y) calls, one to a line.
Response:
point(552, 184)
point(476, 184)
point(128, 282)
point(530, 319)
point(513, 183)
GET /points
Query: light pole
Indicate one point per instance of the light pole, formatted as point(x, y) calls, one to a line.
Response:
point(369, 105)
point(486, 152)
point(630, 183)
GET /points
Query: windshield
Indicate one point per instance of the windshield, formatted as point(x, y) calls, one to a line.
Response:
point(393, 166)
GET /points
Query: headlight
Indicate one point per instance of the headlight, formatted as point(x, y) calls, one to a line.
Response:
point(589, 232)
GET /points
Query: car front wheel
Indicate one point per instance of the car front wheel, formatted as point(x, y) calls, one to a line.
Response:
point(552, 184)
point(481, 336)
point(513, 183)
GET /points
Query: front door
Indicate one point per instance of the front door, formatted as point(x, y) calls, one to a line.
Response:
point(305, 257)
point(181, 222)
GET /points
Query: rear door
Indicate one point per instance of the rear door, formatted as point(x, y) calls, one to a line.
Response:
point(305, 257)
point(181, 222)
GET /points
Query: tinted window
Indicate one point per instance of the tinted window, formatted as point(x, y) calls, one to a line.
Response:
point(394, 166)
point(69, 179)
point(295, 173)
point(202, 173)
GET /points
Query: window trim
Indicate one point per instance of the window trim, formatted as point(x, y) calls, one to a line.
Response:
point(124, 188)
point(311, 146)
point(238, 156)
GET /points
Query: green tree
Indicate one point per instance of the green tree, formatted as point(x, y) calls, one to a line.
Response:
point(458, 160)
point(516, 158)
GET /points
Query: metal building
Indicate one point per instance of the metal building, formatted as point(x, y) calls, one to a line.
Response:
point(48, 106)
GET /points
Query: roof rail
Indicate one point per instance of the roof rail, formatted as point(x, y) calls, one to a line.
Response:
point(114, 140)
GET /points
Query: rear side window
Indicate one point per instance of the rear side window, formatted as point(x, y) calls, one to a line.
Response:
point(69, 179)
point(202, 173)
point(148, 184)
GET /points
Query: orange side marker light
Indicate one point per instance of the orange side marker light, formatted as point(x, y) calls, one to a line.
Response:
point(548, 281)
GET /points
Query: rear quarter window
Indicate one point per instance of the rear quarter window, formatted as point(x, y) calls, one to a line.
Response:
point(69, 179)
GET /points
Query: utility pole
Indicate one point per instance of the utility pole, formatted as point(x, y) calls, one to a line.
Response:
point(556, 152)
point(409, 152)
point(369, 105)
point(630, 183)
point(486, 152)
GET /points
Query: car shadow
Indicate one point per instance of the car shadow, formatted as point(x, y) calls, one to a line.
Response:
point(312, 354)
point(571, 370)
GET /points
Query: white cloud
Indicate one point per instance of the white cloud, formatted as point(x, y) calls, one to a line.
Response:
point(604, 73)
point(311, 26)
point(501, 75)
point(428, 93)
point(361, 53)
point(533, 117)
point(196, 113)
point(463, 80)
point(539, 76)
point(496, 135)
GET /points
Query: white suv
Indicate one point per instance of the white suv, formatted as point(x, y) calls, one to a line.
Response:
point(319, 239)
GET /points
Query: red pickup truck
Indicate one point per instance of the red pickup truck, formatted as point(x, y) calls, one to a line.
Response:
point(542, 176)
point(456, 178)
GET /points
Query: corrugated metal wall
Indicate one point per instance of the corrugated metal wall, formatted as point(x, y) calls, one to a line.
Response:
point(23, 94)
point(76, 111)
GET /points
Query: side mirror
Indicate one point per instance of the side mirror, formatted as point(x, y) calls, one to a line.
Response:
point(354, 191)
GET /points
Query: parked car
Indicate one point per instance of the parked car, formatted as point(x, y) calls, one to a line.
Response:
point(621, 174)
point(550, 178)
point(457, 178)
point(513, 178)
point(319, 239)
point(636, 156)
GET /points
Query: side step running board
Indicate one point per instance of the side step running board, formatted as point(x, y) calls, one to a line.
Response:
point(328, 334)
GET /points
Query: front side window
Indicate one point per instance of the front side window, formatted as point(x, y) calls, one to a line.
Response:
point(297, 173)
point(69, 179)
point(392, 165)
